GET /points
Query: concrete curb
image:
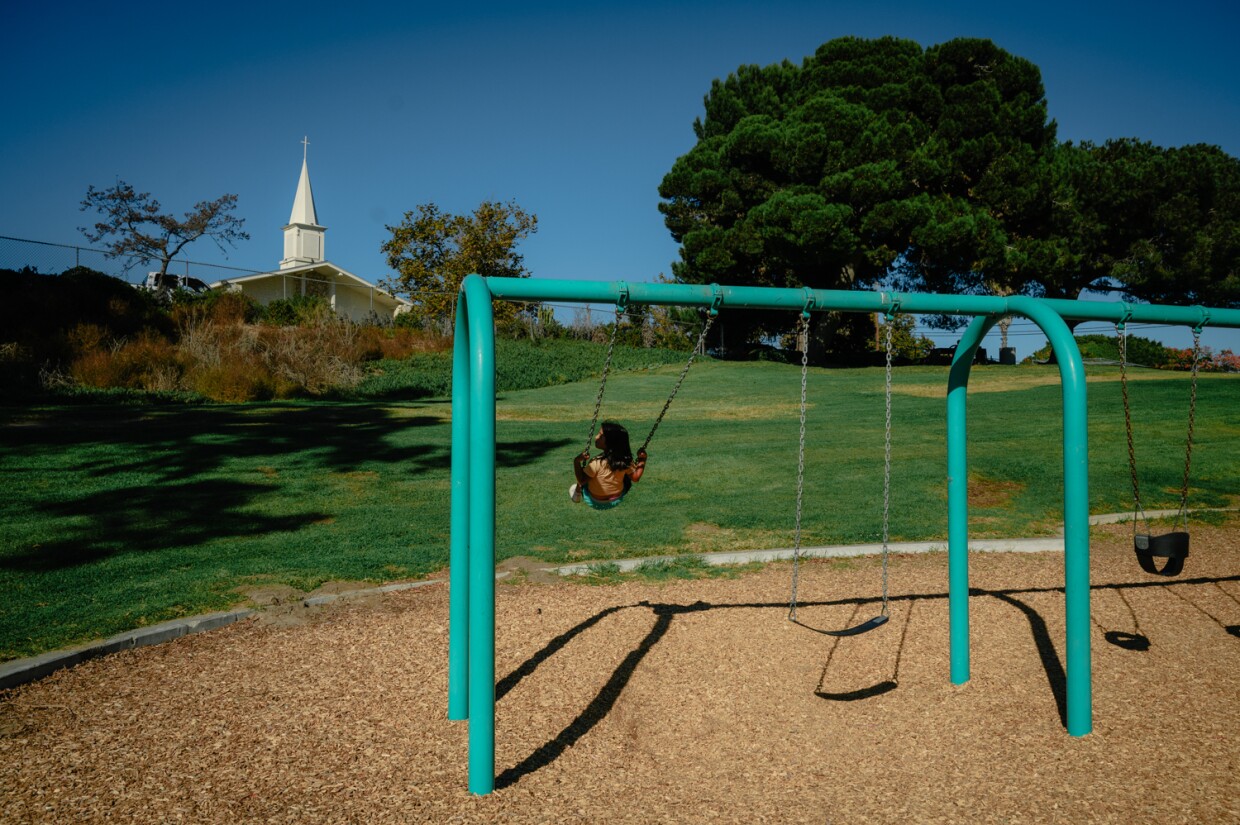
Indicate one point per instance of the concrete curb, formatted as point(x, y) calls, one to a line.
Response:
point(838, 551)
point(22, 671)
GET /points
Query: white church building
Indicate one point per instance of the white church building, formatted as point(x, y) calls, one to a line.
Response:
point(306, 271)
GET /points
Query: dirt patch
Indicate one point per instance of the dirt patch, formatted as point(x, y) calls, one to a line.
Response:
point(1004, 380)
point(685, 702)
point(987, 492)
point(523, 569)
point(281, 605)
point(702, 529)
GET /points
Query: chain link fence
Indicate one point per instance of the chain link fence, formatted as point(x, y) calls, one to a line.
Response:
point(54, 258)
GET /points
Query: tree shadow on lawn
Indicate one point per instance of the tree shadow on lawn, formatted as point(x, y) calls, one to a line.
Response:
point(181, 443)
point(153, 518)
point(180, 454)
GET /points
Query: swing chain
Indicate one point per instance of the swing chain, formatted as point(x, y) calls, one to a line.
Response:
point(1138, 512)
point(710, 319)
point(598, 402)
point(803, 342)
point(887, 462)
point(1192, 412)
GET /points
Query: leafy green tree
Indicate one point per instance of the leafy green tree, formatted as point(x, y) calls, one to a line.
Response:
point(431, 252)
point(141, 232)
point(1138, 220)
point(873, 156)
point(905, 342)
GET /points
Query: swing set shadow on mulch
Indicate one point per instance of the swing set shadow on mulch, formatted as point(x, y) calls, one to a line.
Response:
point(597, 709)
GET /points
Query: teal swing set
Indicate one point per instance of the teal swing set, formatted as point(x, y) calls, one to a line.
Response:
point(471, 634)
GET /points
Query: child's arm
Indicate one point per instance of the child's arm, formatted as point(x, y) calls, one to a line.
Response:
point(639, 466)
point(579, 467)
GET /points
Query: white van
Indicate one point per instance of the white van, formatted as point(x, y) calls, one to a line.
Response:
point(175, 282)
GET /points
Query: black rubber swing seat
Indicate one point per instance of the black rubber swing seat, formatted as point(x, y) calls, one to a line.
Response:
point(857, 630)
point(1170, 546)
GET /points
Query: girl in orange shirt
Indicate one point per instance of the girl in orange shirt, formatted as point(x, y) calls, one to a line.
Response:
point(603, 481)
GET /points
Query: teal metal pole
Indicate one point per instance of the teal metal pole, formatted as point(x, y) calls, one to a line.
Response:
point(958, 495)
point(751, 297)
point(481, 325)
point(458, 552)
point(1075, 509)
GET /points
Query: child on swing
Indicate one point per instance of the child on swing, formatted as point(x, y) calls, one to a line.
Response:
point(603, 481)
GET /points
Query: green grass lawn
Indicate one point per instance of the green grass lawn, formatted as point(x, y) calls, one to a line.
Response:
point(120, 516)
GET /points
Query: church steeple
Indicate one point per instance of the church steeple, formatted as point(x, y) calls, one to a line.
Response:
point(303, 237)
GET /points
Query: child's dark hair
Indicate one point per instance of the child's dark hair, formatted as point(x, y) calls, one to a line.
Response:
point(617, 452)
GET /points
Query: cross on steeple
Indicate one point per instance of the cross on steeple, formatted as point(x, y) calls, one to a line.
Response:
point(305, 146)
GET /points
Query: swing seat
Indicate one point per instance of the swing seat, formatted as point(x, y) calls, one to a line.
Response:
point(608, 503)
point(1170, 546)
point(605, 504)
point(857, 630)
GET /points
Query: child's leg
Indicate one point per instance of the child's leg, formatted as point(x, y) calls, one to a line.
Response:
point(574, 493)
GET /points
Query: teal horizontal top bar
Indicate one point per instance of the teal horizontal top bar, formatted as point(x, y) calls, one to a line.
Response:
point(752, 297)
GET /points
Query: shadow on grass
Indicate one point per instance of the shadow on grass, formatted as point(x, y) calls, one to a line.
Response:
point(184, 462)
point(153, 518)
point(597, 708)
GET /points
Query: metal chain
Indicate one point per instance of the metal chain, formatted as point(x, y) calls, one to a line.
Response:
point(1188, 444)
point(1138, 512)
point(803, 343)
point(598, 402)
point(710, 319)
point(887, 464)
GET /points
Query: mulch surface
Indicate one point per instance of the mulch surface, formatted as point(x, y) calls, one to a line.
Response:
point(685, 702)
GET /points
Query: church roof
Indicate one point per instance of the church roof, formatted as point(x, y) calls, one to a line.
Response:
point(323, 267)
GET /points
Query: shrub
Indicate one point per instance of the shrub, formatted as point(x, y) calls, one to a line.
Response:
point(297, 311)
point(149, 362)
point(234, 382)
point(1143, 351)
point(316, 359)
point(375, 343)
point(1210, 361)
point(218, 307)
point(905, 343)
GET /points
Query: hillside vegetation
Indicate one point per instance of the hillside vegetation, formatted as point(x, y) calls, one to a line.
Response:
point(93, 336)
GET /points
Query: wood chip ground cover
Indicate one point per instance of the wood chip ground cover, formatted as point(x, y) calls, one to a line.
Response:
point(689, 701)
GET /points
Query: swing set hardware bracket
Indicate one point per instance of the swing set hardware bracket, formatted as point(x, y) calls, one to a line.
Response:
point(890, 314)
point(1205, 319)
point(622, 303)
point(809, 303)
point(716, 299)
point(1123, 318)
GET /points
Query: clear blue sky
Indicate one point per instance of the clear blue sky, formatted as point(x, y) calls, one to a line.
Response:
point(574, 109)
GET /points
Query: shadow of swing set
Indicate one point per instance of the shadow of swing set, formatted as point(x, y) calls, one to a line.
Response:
point(664, 614)
point(471, 641)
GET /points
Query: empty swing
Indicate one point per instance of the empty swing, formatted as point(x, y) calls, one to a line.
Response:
point(803, 344)
point(621, 305)
point(1172, 546)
